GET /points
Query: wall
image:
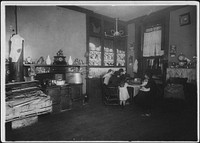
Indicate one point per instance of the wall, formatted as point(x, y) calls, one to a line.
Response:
point(47, 29)
point(9, 25)
point(131, 51)
point(184, 37)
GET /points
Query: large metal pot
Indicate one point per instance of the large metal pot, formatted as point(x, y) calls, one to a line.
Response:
point(75, 78)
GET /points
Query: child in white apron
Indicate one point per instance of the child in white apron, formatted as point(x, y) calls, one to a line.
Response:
point(123, 93)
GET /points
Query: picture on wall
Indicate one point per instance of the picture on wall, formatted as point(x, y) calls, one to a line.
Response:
point(184, 19)
point(172, 50)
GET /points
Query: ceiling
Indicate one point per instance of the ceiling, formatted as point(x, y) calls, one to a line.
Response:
point(124, 13)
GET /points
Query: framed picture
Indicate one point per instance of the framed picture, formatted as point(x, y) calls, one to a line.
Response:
point(172, 51)
point(184, 19)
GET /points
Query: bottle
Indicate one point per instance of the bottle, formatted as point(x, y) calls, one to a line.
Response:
point(48, 60)
point(70, 62)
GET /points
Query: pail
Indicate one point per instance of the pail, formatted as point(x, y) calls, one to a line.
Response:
point(75, 78)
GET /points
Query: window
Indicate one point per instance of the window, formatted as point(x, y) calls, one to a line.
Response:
point(152, 42)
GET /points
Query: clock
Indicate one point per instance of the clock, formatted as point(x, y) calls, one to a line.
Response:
point(59, 60)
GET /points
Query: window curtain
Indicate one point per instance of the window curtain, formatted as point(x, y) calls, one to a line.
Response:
point(152, 42)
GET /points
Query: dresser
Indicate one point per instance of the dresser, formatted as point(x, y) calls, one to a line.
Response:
point(61, 98)
point(189, 73)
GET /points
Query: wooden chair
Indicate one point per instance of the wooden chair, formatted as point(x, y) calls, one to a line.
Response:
point(110, 94)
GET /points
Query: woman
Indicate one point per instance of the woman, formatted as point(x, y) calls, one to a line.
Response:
point(107, 76)
point(117, 78)
point(145, 95)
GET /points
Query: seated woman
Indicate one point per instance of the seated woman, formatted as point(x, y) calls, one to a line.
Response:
point(145, 95)
point(114, 79)
point(107, 76)
point(117, 78)
point(107, 92)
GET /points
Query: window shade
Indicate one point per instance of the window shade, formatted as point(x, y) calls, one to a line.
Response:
point(152, 42)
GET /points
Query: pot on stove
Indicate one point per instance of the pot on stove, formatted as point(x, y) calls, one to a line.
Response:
point(75, 78)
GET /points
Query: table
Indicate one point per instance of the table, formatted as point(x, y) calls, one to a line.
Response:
point(191, 74)
point(136, 88)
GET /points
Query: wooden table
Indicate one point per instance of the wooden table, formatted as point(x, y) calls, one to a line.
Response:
point(191, 74)
point(136, 88)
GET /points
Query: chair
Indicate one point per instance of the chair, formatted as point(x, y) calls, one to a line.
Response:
point(175, 88)
point(110, 94)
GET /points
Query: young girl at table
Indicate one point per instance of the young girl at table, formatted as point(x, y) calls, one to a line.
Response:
point(123, 93)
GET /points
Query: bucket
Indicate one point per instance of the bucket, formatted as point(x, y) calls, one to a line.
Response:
point(74, 78)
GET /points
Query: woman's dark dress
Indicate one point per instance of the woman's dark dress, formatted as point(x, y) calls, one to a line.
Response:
point(145, 99)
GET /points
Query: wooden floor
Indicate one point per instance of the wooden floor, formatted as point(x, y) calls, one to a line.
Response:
point(96, 122)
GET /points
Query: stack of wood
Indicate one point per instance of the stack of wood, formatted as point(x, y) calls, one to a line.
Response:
point(25, 99)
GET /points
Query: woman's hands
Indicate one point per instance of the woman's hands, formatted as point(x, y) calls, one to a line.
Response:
point(144, 89)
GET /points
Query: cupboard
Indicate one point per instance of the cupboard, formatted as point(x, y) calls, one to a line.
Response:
point(103, 49)
point(61, 97)
point(60, 94)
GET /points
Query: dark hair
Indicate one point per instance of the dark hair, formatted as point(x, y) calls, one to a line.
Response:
point(122, 83)
point(110, 70)
point(149, 74)
point(121, 70)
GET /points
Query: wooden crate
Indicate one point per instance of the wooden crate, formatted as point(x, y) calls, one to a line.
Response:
point(24, 122)
point(34, 108)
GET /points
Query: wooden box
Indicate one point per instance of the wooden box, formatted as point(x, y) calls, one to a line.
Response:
point(24, 122)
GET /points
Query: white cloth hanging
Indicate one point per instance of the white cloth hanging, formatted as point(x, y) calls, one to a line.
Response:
point(123, 92)
point(16, 47)
point(135, 66)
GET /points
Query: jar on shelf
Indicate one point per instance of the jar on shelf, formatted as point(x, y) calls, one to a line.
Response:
point(70, 62)
point(48, 60)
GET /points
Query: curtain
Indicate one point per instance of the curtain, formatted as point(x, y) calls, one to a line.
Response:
point(152, 42)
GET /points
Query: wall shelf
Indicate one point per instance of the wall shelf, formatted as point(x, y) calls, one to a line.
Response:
point(39, 65)
point(107, 48)
point(56, 72)
point(43, 73)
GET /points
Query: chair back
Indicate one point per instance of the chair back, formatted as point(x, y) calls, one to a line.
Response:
point(110, 94)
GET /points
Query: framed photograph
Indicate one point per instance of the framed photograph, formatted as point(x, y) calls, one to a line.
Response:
point(172, 51)
point(184, 19)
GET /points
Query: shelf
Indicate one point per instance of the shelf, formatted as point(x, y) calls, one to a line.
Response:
point(39, 65)
point(114, 66)
point(151, 57)
point(110, 47)
point(20, 83)
point(95, 51)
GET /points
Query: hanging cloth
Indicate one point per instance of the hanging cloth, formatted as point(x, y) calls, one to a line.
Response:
point(135, 66)
point(16, 47)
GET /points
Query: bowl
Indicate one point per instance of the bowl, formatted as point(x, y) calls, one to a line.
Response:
point(60, 82)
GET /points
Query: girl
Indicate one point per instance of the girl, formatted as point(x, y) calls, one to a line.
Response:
point(123, 93)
